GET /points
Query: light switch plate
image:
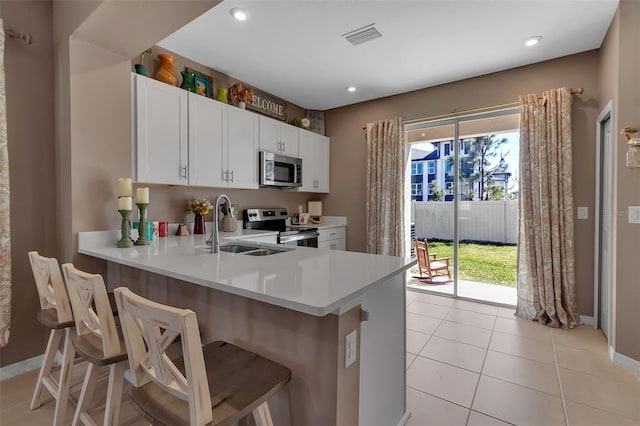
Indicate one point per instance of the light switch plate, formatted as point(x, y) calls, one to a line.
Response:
point(350, 348)
point(634, 214)
point(583, 212)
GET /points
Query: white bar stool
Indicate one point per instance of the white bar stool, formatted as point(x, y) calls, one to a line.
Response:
point(97, 340)
point(217, 384)
point(55, 314)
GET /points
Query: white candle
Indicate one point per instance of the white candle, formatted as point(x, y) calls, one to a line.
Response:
point(125, 203)
point(142, 195)
point(124, 187)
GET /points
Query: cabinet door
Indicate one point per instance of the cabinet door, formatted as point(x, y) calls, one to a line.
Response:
point(161, 132)
point(314, 151)
point(242, 148)
point(289, 140)
point(206, 136)
point(269, 138)
point(309, 162)
point(278, 137)
point(322, 147)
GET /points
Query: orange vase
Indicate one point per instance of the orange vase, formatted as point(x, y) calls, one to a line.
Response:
point(166, 73)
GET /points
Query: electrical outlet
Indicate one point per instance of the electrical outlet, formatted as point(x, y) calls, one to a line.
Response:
point(583, 212)
point(350, 348)
point(634, 214)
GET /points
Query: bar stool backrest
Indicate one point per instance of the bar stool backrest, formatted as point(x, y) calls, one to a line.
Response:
point(149, 328)
point(92, 311)
point(51, 291)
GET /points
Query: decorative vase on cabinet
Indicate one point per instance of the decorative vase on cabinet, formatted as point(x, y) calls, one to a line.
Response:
point(198, 226)
point(166, 73)
point(222, 95)
point(188, 81)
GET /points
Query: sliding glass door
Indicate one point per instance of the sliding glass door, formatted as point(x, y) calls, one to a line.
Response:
point(464, 205)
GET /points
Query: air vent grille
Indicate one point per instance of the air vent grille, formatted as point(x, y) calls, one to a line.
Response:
point(362, 35)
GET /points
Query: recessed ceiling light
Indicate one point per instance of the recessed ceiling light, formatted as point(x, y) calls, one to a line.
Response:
point(351, 89)
point(532, 41)
point(239, 13)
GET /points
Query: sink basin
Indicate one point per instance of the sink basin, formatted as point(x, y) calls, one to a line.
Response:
point(264, 252)
point(237, 248)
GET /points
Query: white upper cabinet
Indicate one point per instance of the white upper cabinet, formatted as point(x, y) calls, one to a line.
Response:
point(279, 137)
point(181, 138)
point(206, 138)
point(160, 132)
point(314, 151)
point(241, 149)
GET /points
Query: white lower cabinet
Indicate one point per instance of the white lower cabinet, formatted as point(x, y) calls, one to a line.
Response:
point(332, 238)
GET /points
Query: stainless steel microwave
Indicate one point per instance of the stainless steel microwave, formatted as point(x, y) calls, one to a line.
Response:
point(280, 170)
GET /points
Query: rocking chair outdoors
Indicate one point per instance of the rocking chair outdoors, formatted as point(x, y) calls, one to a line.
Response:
point(435, 270)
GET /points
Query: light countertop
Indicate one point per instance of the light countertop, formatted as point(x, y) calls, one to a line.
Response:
point(327, 222)
point(308, 280)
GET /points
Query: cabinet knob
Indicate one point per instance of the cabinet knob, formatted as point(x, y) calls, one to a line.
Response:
point(225, 175)
point(231, 175)
point(184, 171)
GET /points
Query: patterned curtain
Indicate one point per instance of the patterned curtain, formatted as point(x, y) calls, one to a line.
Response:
point(386, 162)
point(5, 235)
point(546, 275)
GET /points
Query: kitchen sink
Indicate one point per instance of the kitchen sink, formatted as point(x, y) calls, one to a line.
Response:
point(264, 252)
point(237, 248)
point(250, 250)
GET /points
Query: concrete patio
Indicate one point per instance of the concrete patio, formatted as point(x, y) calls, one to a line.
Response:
point(469, 289)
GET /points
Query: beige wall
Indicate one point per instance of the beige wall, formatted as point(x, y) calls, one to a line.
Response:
point(30, 122)
point(348, 147)
point(627, 280)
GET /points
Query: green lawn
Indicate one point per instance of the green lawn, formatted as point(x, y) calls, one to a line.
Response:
point(486, 263)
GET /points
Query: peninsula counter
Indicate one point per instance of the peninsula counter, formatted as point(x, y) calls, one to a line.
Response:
point(294, 307)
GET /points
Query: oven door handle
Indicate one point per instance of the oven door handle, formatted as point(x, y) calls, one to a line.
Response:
point(298, 237)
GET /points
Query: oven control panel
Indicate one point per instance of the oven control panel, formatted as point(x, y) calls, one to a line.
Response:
point(259, 215)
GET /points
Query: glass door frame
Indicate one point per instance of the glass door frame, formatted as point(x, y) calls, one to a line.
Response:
point(455, 122)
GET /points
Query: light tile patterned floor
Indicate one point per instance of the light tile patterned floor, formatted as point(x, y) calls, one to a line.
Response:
point(467, 364)
point(473, 364)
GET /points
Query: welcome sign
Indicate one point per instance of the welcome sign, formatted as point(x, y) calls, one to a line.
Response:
point(266, 104)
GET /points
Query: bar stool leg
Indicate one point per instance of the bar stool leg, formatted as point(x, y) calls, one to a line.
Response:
point(86, 394)
point(262, 415)
point(114, 393)
point(64, 383)
point(55, 337)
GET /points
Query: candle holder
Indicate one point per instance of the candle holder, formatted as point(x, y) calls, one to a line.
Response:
point(142, 225)
point(126, 240)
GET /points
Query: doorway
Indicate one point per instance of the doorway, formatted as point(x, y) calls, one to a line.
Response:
point(604, 221)
point(463, 189)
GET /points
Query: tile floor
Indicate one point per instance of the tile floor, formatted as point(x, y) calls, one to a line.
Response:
point(467, 364)
point(474, 364)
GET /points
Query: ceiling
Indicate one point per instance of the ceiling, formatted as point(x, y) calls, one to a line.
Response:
point(294, 49)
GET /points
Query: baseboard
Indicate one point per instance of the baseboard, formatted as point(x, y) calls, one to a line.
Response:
point(20, 367)
point(624, 361)
point(587, 320)
point(405, 418)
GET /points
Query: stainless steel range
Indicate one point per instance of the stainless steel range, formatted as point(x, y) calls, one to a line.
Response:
point(274, 219)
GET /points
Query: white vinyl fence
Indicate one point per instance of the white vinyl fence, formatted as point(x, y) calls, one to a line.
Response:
point(491, 221)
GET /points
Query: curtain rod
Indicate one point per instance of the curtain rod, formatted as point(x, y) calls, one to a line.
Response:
point(455, 113)
point(18, 36)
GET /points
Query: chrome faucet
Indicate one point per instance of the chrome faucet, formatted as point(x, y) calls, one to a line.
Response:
point(215, 235)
